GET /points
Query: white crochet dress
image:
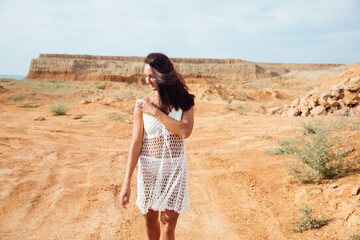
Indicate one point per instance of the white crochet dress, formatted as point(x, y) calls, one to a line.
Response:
point(162, 169)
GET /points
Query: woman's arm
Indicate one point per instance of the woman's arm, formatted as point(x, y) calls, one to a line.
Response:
point(135, 146)
point(134, 153)
point(181, 128)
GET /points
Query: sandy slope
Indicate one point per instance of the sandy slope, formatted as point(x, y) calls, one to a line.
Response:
point(61, 177)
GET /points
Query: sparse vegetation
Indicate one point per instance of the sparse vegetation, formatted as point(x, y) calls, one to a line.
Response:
point(285, 147)
point(321, 154)
point(100, 87)
point(240, 96)
point(228, 106)
point(18, 97)
point(306, 222)
point(86, 120)
point(240, 109)
point(40, 86)
point(265, 135)
point(29, 106)
point(58, 108)
point(116, 117)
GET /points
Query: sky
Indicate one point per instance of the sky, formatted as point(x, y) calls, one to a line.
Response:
point(285, 31)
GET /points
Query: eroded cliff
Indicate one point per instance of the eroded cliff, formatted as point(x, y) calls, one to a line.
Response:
point(130, 69)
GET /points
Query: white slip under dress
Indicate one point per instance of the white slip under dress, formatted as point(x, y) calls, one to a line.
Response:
point(162, 169)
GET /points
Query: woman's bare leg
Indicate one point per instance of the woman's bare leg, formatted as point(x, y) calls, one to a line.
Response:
point(168, 220)
point(152, 225)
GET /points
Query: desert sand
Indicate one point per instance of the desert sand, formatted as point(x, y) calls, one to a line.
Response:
point(61, 177)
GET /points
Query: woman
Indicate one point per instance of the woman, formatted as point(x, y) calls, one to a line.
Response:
point(162, 121)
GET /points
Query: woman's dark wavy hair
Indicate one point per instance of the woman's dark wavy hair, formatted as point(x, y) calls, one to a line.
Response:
point(170, 84)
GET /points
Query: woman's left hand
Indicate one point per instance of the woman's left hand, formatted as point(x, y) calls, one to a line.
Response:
point(146, 107)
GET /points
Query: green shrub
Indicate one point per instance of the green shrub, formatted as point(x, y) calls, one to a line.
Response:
point(306, 222)
point(100, 87)
point(320, 155)
point(285, 147)
point(58, 108)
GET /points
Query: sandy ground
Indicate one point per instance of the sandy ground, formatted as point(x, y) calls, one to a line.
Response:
point(61, 177)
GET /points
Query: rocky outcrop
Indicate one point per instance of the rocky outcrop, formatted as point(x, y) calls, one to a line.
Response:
point(342, 99)
point(130, 69)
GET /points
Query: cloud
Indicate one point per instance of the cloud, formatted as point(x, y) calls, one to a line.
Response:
point(260, 30)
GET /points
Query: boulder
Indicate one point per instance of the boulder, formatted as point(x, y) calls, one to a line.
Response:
point(341, 112)
point(310, 93)
point(335, 87)
point(303, 101)
point(335, 91)
point(85, 101)
point(304, 108)
point(293, 112)
point(305, 113)
point(319, 110)
point(332, 102)
point(76, 116)
point(323, 99)
point(273, 110)
point(39, 118)
point(295, 103)
point(350, 98)
point(341, 103)
point(312, 103)
point(351, 87)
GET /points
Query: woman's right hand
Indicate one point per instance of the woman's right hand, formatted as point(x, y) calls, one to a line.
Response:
point(125, 195)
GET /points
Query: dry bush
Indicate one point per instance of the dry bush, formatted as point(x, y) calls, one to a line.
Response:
point(322, 153)
point(58, 108)
point(306, 222)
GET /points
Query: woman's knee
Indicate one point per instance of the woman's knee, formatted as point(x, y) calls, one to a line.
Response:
point(168, 220)
point(151, 218)
point(168, 227)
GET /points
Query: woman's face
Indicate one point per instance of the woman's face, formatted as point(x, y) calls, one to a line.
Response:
point(149, 78)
